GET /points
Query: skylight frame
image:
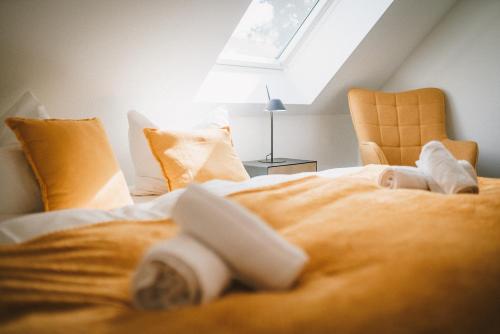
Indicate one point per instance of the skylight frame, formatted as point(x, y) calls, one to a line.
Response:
point(279, 63)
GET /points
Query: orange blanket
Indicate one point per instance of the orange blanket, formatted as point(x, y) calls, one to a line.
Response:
point(381, 261)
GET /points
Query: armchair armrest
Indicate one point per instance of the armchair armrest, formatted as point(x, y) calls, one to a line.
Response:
point(463, 150)
point(371, 153)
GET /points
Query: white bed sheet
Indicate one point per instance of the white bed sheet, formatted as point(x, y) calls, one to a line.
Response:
point(135, 199)
point(26, 227)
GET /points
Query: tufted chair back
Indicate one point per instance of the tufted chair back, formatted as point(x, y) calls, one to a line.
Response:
point(393, 127)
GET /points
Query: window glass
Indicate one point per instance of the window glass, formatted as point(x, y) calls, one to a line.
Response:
point(266, 29)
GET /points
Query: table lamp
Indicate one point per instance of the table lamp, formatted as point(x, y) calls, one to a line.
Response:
point(273, 105)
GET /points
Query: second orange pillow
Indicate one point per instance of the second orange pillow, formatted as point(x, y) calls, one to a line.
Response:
point(195, 156)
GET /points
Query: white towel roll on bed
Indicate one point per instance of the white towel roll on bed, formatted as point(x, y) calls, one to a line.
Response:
point(258, 255)
point(177, 272)
point(469, 169)
point(444, 173)
point(398, 177)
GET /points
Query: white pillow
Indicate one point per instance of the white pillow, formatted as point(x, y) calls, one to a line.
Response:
point(19, 191)
point(27, 106)
point(148, 178)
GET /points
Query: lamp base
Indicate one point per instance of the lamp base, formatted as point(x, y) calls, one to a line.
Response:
point(274, 161)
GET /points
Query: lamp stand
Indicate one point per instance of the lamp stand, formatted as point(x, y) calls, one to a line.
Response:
point(272, 160)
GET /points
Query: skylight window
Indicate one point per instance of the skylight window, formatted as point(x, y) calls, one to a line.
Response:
point(268, 28)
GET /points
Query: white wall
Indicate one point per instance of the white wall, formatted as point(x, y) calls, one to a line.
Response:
point(328, 138)
point(462, 56)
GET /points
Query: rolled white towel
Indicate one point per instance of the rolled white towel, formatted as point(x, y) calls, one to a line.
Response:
point(258, 255)
point(177, 272)
point(444, 173)
point(468, 168)
point(465, 165)
point(396, 177)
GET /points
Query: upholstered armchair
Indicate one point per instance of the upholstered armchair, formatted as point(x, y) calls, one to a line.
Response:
point(392, 127)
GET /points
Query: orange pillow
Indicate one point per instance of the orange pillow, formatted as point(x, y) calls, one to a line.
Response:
point(195, 156)
point(73, 163)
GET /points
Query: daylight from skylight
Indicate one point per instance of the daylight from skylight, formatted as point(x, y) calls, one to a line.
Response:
point(265, 31)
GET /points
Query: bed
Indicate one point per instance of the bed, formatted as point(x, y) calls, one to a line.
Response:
point(380, 261)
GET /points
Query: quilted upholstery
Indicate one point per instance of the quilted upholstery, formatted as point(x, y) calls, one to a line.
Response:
point(393, 127)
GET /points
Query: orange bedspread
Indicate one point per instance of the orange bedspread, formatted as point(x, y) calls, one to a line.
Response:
point(381, 261)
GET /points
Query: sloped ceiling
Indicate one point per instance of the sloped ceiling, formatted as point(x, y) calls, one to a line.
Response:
point(402, 27)
point(335, 34)
point(382, 51)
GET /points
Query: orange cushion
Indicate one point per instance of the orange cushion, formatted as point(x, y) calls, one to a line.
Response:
point(195, 156)
point(73, 163)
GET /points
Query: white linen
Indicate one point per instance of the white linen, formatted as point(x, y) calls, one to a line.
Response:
point(177, 272)
point(257, 254)
point(26, 227)
point(402, 177)
point(444, 173)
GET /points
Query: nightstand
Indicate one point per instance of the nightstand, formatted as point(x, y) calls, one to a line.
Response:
point(290, 166)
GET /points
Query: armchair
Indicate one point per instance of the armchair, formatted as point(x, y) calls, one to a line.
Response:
point(392, 127)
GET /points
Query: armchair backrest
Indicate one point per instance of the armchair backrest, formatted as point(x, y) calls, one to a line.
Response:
point(400, 123)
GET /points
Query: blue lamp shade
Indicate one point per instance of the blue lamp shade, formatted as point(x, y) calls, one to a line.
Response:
point(275, 105)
